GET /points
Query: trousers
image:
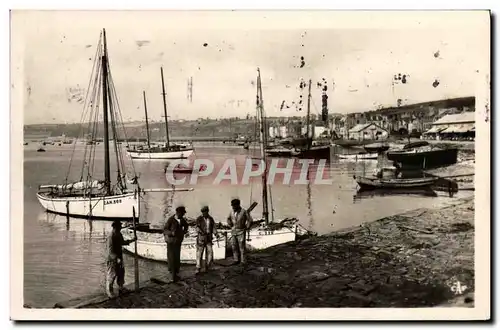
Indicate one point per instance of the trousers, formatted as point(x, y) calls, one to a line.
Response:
point(239, 245)
point(174, 258)
point(115, 271)
point(209, 255)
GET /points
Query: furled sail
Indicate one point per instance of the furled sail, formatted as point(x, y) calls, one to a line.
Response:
point(80, 185)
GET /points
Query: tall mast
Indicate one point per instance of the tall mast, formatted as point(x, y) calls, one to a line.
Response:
point(308, 115)
point(165, 108)
point(147, 123)
point(104, 59)
point(260, 110)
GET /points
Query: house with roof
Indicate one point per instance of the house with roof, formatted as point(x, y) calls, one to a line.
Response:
point(453, 126)
point(368, 131)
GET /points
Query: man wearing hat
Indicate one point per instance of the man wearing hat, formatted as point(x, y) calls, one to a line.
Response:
point(240, 222)
point(205, 225)
point(174, 230)
point(114, 262)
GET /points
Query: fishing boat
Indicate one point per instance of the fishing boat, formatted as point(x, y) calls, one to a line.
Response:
point(348, 143)
point(358, 156)
point(40, 149)
point(182, 168)
point(421, 155)
point(376, 147)
point(368, 183)
point(92, 196)
point(310, 151)
point(262, 234)
point(167, 151)
point(267, 233)
point(280, 152)
point(151, 244)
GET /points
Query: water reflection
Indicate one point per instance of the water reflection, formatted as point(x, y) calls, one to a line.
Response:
point(74, 228)
point(64, 258)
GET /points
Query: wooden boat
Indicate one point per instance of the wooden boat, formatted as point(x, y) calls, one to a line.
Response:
point(313, 152)
point(89, 197)
point(40, 150)
point(368, 183)
point(169, 150)
point(371, 193)
point(181, 168)
point(358, 156)
point(267, 233)
point(151, 244)
point(376, 147)
point(280, 152)
point(420, 155)
point(308, 150)
point(346, 143)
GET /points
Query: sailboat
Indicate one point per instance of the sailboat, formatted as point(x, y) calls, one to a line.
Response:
point(308, 150)
point(169, 150)
point(90, 197)
point(264, 233)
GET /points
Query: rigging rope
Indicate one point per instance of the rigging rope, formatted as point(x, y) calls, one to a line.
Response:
point(84, 112)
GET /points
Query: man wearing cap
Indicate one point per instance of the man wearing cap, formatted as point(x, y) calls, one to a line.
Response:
point(205, 225)
point(114, 262)
point(240, 221)
point(174, 230)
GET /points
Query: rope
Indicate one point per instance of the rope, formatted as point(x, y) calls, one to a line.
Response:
point(85, 109)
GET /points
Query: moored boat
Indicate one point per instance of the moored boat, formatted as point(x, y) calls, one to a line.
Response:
point(151, 244)
point(161, 152)
point(368, 183)
point(280, 152)
point(376, 147)
point(421, 155)
point(88, 196)
point(358, 156)
point(167, 151)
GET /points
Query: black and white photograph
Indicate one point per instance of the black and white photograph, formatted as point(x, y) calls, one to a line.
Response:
point(250, 165)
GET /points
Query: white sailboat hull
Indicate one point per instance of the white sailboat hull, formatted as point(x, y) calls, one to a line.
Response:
point(182, 154)
point(262, 239)
point(154, 247)
point(157, 249)
point(109, 207)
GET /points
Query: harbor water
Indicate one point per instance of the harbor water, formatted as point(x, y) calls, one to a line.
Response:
point(65, 258)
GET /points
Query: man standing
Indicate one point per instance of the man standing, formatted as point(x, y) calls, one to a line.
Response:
point(240, 221)
point(114, 262)
point(205, 225)
point(174, 230)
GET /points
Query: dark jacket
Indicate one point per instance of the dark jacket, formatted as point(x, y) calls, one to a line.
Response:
point(173, 231)
point(115, 241)
point(205, 234)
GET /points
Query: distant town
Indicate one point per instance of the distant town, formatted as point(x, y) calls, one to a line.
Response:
point(404, 120)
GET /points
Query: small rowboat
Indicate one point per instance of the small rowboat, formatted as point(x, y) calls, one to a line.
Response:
point(181, 168)
point(367, 183)
point(376, 147)
point(358, 156)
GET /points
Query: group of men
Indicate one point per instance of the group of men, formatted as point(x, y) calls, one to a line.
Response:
point(174, 230)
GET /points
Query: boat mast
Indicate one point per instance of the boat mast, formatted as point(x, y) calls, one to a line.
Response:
point(260, 110)
point(104, 59)
point(165, 108)
point(308, 115)
point(147, 124)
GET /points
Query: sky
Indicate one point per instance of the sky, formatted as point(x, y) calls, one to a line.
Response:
point(357, 53)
